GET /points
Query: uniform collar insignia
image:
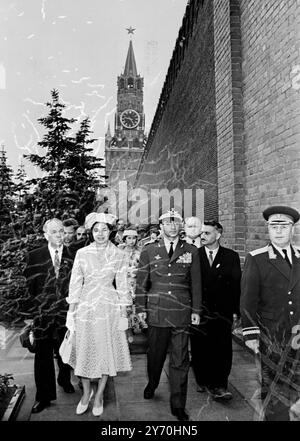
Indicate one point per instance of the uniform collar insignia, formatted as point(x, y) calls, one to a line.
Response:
point(157, 257)
point(272, 255)
point(297, 254)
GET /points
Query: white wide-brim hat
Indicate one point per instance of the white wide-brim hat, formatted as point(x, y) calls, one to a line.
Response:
point(92, 218)
point(130, 232)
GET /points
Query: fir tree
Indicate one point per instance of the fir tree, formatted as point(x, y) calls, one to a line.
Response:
point(6, 182)
point(7, 188)
point(22, 185)
point(70, 169)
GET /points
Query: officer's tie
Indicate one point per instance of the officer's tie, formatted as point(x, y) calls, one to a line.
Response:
point(171, 251)
point(193, 241)
point(211, 260)
point(56, 264)
point(286, 258)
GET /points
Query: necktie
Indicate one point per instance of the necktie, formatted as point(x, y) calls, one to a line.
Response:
point(211, 260)
point(56, 263)
point(286, 258)
point(171, 251)
point(193, 241)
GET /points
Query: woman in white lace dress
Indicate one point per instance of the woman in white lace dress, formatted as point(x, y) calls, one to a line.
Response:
point(132, 251)
point(100, 348)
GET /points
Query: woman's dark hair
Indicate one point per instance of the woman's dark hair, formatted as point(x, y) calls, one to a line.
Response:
point(91, 238)
point(130, 227)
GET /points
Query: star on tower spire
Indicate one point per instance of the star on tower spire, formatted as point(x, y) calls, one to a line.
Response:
point(130, 30)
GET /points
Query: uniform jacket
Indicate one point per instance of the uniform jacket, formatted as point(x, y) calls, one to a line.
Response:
point(47, 293)
point(169, 290)
point(220, 283)
point(270, 300)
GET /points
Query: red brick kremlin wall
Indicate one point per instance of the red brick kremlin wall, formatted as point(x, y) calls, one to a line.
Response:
point(228, 119)
point(271, 101)
point(182, 145)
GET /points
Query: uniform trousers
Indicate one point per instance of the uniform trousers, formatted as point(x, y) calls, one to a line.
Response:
point(280, 388)
point(211, 349)
point(176, 339)
point(44, 370)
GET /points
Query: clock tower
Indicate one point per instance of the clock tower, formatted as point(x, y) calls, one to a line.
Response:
point(124, 149)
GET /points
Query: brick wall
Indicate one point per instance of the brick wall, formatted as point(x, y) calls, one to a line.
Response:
point(228, 119)
point(230, 122)
point(183, 153)
point(271, 60)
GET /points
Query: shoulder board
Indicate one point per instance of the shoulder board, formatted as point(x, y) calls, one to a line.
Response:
point(296, 251)
point(259, 251)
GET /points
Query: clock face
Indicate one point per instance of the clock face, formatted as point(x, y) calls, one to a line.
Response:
point(130, 118)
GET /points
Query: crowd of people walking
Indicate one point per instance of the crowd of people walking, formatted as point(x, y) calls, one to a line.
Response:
point(105, 281)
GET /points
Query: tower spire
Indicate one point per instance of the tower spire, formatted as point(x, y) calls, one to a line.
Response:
point(130, 65)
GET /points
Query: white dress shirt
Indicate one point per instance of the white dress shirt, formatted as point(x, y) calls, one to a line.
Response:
point(168, 244)
point(52, 252)
point(289, 252)
point(214, 252)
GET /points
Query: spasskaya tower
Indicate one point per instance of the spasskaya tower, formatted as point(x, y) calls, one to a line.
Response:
point(123, 149)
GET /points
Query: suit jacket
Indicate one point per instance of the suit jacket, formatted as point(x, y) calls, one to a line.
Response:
point(47, 304)
point(169, 290)
point(220, 284)
point(270, 301)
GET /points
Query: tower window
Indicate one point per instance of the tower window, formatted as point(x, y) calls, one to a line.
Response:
point(130, 83)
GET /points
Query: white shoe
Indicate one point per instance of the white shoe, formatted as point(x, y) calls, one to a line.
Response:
point(97, 411)
point(81, 408)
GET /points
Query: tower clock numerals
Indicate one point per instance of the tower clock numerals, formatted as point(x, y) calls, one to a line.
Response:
point(129, 118)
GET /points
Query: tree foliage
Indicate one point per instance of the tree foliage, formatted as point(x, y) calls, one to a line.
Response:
point(71, 172)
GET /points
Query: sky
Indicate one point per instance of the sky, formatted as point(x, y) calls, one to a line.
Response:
point(78, 47)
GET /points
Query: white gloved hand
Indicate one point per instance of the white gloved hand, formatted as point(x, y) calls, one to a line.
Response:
point(253, 345)
point(70, 322)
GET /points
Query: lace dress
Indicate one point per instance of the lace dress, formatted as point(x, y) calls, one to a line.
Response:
point(132, 260)
point(99, 347)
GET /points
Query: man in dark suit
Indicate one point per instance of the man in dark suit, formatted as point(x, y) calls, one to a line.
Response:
point(270, 309)
point(47, 272)
point(211, 341)
point(168, 296)
point(116, 236)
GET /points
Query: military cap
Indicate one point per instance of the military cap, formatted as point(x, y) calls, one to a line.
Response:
point(279, 214)
point(171, 214)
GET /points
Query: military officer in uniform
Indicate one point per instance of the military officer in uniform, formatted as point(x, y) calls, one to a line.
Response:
point(270, 308)
point(168, 297)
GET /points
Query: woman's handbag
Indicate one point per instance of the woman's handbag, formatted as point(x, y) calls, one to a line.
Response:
point(27, 338)
point(66, 346)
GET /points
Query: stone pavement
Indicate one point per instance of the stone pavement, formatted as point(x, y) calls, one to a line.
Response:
point(123, 399)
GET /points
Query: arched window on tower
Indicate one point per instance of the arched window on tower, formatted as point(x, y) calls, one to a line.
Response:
point(130, 83)
point(122, 83)
point(139, 84)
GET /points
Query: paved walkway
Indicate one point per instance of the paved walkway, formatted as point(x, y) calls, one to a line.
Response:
point(124, 394)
